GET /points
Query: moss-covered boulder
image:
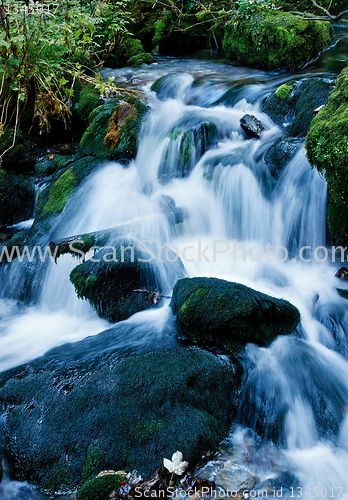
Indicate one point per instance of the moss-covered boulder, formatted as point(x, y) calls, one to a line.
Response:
point(292, 104)
point(89, 99)
point(17, 197)
point(22, 157)
point(133, 412)
point(54, 198)
point(129, 47)
point(113, 129)
point(276, 40)
point(138, 60)
point(113, 280)
point(228, 315)
point(99, 488)
point(327, 149)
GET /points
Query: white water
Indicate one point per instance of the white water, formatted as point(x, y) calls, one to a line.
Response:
point(227, 194)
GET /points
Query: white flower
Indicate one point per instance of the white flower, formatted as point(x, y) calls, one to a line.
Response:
point(176, 465)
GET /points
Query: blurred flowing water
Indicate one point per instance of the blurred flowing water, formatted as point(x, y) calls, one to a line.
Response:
point(193, 150)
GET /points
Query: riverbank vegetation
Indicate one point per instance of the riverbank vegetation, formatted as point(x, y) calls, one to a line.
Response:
point(49, 51)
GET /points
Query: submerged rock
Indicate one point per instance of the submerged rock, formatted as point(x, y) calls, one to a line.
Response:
point(210, 311)
point(251, 126)
point(108, 414)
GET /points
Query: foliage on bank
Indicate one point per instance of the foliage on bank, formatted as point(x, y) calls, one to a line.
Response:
point(327, 149)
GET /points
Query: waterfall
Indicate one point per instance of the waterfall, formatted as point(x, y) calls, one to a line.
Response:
point(193, 150)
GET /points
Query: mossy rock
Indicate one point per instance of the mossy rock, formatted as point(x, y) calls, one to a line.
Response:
point(129, 47)
point(296, 110)
point(89, 100)
point(54, 198)
point(22, 157)
point(48, 166)
point(276, 40)
point(229, 315)
point(113, 130)
point(138, 60)
point(17, 198)
point(283, 91)
point(327, 149)
point(99, 488)
point(135, 411)
point(112, 287)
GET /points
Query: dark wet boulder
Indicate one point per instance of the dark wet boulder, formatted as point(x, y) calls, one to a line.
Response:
point(109, 414)
point(210, 311)
point(275, 40)
point(113, 129)
point(292, 107)
point(20, 158)
point(17, 197)
point(251, 126)
point(280, 153)
point(124, 278)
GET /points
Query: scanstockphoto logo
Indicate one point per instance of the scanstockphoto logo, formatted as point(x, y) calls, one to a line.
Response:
point(196, 252)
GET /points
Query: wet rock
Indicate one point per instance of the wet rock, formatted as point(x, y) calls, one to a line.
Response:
point(251, 126)
point(280, 153)
point(295, 113)
point(134, 411)
point(210, 311)
point(17, 197)
point(189, 482)
point(117, 283)
point(234, 477)
point(342, 273)
point(167, 205)
point(113, 129)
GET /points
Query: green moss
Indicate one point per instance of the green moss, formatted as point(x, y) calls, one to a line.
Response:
point(283, 91)
point(136, 410)
point(61, 192)
point(126, 49)
point(110, 286)
point(58, 479)
point(138, 60)
point(276, 40)
point(106, 137)
point(327, 149)
point(99, 488)
point(92, 464)
point(88, 101)
point(228, 315)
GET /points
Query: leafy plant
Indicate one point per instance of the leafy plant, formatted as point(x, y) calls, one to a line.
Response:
point(45, 48)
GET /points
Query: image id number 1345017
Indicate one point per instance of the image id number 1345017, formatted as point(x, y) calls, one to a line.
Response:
point(316, 492)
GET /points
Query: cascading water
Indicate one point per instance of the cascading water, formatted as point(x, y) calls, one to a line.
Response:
point(193, 150)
